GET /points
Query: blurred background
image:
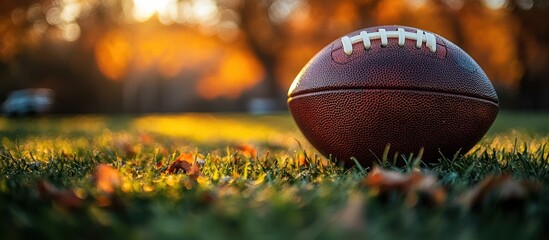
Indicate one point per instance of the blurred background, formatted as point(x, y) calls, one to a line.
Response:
point(140, 56)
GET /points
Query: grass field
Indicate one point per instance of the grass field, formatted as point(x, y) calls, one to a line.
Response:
point(255, 177)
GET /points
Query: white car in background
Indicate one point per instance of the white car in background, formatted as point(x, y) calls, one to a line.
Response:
point(30, 101)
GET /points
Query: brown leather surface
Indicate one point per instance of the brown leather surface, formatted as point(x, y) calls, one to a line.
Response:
point(394, 67)
point(408, 97)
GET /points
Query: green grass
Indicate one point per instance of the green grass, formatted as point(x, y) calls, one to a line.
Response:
point(272, 196)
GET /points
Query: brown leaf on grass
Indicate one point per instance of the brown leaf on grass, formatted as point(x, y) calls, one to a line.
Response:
point(179, 165)
point(387, 180)
point(158, 164)
point(498, 189)
point(414, 186)
point(64, 198)
point(106, 178)
point(248, 150)
point(194, 173)
point(186, 163)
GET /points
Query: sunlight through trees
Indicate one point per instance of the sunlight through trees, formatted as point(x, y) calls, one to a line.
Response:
point(238, 49)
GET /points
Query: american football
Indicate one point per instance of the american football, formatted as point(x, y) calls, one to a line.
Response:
point(396, 87)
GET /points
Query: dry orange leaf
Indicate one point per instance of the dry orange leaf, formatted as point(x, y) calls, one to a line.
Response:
point(387, 180)
point(194, 172)
point(413, 186)
point(187, 157)
point(502, 188)
point(248, 150)
point(158, 164)
point(186, 163)
point(106, 178)
point(64, 198)
point(179, 165)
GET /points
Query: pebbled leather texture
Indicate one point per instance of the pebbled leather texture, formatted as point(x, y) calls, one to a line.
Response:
point(403, 96)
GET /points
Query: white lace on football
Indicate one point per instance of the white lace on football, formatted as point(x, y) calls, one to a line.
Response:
point(366, 37)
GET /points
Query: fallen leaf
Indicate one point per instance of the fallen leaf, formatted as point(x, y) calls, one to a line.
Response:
point(501, 189)
point(183, 162)
point(387, 180)
point(64, 198)
point(248, 150)
point(415, 186)
point(187, 157)
point(194, 172)
point(106, 178)
point(179, 165)
point(158, 164)
point(186, 163)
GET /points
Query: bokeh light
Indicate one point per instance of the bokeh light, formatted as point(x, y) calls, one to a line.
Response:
point(232, 49)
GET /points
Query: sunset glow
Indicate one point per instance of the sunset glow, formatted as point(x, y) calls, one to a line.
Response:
point(238, 71)
point(221, 71)
point(112, 54)
point(223, 48)
point(145, 9)
point(203, 12)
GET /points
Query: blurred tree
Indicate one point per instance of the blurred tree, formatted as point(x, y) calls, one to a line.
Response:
point(39, 50)
point(509, 40)
point(533, 51)
point(164, 55)
point(284, 34)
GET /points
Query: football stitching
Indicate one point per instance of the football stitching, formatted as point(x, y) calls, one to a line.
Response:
point(366, 37)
